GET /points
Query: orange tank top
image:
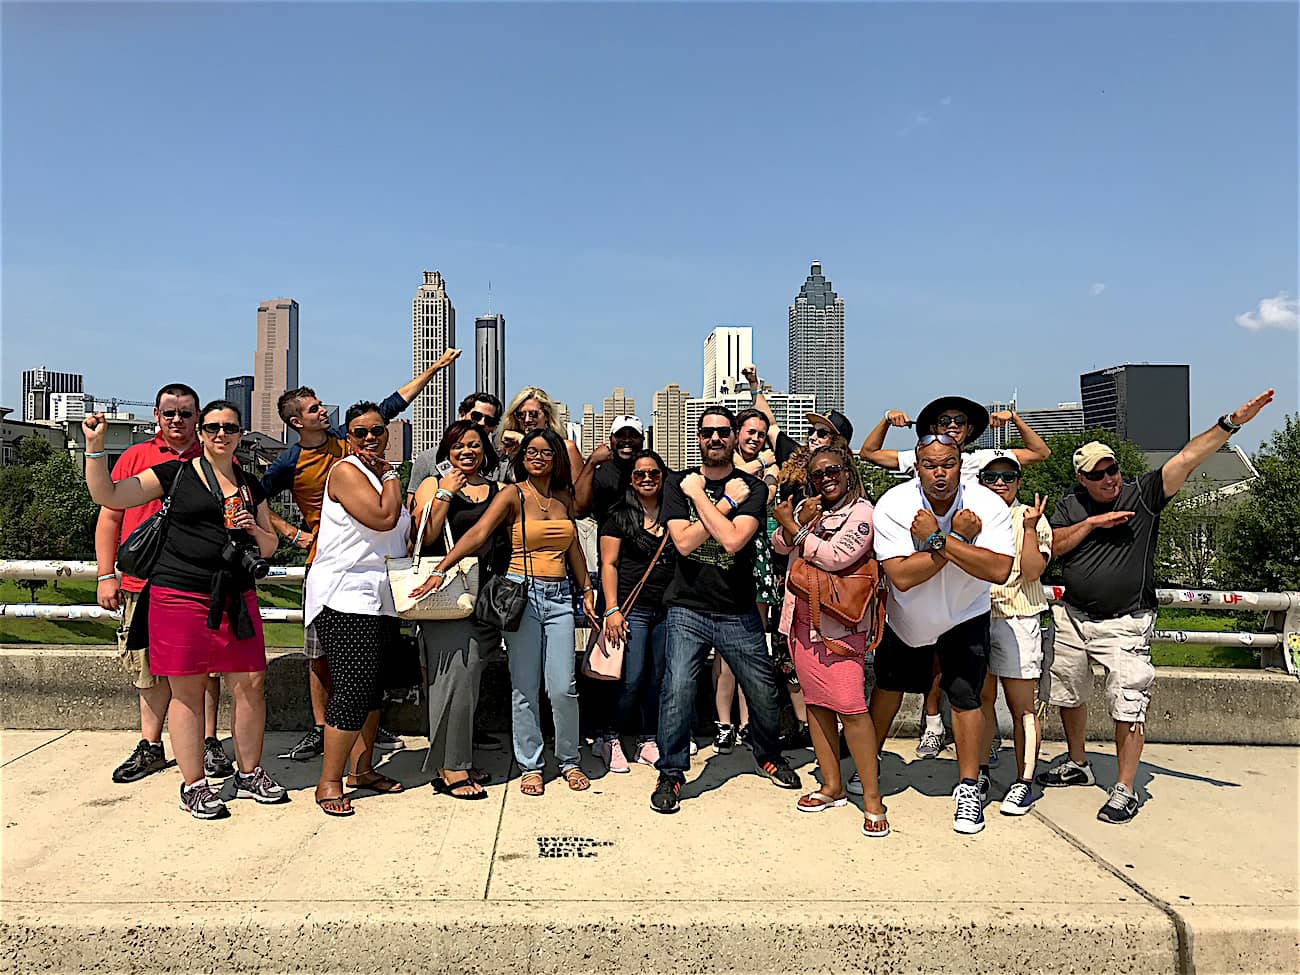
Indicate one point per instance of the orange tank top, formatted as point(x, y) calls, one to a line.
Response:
point(548, 541)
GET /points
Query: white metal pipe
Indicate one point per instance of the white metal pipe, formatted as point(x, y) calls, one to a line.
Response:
point(93, 613)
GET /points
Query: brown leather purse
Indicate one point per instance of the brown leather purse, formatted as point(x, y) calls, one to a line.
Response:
point(849, 597)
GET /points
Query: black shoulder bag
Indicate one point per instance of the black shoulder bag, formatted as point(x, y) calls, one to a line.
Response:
point(139, 551)
point(501, 600)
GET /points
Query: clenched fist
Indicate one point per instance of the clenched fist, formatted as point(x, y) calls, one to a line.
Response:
point(967, 524)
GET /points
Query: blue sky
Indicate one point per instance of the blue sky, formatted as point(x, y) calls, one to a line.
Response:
point(1004, 195)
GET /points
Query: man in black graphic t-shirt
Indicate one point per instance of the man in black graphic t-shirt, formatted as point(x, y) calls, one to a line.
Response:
point(713, 515)
point(1104, 539)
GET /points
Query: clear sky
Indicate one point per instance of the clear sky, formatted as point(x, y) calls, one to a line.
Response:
point(1005, 195)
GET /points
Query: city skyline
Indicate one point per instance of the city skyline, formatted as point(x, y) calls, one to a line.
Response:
point(984, 233)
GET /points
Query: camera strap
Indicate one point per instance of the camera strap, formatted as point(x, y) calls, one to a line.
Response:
point(210, 477)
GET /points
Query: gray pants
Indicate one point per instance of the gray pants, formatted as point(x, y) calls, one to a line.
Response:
point(455, 652)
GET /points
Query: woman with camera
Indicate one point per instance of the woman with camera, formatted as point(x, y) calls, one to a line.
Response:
point(200, 603)
point(363, 521)
point(456, 651)
point(543, 536)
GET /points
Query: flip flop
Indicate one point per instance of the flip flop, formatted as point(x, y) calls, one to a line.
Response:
point(342, 808)
point(876, 825)
point(380, 783)
point(442, 787)
point(815, 802)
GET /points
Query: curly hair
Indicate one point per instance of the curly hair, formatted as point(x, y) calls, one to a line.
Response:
point(795, 469)
point(853, 487)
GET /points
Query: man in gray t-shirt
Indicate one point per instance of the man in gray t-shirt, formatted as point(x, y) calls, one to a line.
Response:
point(483, 408)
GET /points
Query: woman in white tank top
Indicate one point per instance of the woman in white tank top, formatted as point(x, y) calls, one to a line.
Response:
point(348, 598)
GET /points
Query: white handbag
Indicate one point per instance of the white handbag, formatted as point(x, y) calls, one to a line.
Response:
point(453, 601)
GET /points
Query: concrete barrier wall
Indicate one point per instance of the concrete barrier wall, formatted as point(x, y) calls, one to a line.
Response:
point(82, 688)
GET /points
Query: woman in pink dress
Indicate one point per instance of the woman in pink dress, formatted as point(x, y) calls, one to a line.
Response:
point(831, 529)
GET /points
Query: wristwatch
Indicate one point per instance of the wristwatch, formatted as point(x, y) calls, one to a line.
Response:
point(1227, 425)
point(936, 541)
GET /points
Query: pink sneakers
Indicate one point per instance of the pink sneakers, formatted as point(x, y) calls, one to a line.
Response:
point(610, 751)
point(648, 753)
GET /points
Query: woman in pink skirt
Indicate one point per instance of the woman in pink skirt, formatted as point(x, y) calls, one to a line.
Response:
point(831, 529)
point(199, 607)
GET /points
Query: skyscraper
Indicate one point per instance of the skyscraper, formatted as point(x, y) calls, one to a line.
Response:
point(239, 390)
point(669, 424)
point(490, 355)
point(275, 364)
point(433, 332)
point(817, 342)
point(1145, 404)
point(39, 383)
point(1061, 418)
point(727, 350)
point(595, 426)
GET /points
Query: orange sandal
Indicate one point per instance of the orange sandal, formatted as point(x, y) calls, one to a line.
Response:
point(578, 782)
point(531, 784)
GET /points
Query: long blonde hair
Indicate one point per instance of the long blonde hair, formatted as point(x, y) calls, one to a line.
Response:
point(509, 422)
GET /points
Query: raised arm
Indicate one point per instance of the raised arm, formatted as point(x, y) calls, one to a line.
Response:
point(1180, 466)
point(585, 477)
point(872, 448)
point(130, 492)
point(416, 386)
point(750, 374)
point(1035, 449)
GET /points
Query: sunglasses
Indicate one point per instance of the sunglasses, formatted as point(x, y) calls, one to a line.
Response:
point(315, 408)
point(172, 414)
point(227, 428)
point(821, 432)
point(360, 432)
point(993, 477)
point(951, 420)
point(1098, 473)
point(830, 470)
point(708, 433)
point(545, 453)
point(488, 421)
point(646, 475)
point(942, 438)
point(529, 414)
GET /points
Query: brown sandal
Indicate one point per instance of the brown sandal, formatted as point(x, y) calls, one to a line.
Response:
point(578, 782)
point(531, 784)
point(335, 805)
point(380, 783)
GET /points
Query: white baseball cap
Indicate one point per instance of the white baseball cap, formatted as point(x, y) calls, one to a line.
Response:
point(625, 420)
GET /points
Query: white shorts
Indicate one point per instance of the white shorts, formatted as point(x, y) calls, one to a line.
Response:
point(1016, 647)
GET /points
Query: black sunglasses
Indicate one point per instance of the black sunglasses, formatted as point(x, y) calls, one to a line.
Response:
point(951, 420)
point(315, 408)
point(529, 414)
point(1097, 473)
point(228, 428)
point(488, 421)
point(708, 433)
point(942, 438)
point(821, 432)
point(646, 475)
point(830, 470)
point(171, 414)
point(1006, 477)
point(360, 432)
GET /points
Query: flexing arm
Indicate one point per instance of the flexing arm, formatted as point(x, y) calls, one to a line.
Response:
point(909, 572)
point(416, 386)
point(1035, 449)
point(584, 483)
point(130, 492)
point(351, 488)
point(872, 448)
point(1180, 466)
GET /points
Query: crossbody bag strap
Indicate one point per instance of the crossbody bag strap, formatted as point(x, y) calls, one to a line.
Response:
point(636, 590)
point(210, 478)
point(523, 528)
point(419, 538)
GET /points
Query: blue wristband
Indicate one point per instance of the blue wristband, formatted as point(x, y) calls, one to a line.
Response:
point(959, 537)
point(728, 498)
point(611, 612)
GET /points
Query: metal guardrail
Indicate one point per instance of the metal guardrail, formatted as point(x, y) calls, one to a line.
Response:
point(1278, 642)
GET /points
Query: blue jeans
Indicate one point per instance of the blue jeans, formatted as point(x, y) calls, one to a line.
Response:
point(740, 640)
point(542, 649)
point(635, 698)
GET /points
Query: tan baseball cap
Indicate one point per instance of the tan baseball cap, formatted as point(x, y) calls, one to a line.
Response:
point(1090, 455)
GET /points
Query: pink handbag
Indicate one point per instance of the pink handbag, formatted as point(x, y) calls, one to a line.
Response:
point(604, 658)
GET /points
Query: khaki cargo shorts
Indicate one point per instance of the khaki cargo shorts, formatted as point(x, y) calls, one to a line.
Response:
point(135, 663)
point(1122, 645)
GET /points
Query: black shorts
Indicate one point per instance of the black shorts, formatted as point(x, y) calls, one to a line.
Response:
point(963, 654)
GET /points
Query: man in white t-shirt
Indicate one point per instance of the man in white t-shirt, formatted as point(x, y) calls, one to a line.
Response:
point(941, 543)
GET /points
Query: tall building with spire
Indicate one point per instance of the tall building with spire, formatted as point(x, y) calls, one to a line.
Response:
point(433, 332)
point(817, 342)
point(275, 364)
point(490, 355)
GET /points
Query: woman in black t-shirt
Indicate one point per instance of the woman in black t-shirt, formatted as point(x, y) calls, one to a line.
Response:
point(199, 608)
point(629, 540)
point(456, 651)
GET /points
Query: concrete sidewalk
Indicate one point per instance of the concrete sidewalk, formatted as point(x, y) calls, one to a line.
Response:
point(107, 878)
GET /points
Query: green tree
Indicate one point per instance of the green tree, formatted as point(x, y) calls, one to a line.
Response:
point(1261, 548)
point(1187, 549)
point(1054, 477)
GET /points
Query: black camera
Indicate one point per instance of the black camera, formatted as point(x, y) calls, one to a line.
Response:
point(245, 555)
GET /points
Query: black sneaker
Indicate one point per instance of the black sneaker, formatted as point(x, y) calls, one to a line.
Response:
point(1067, 773)
point(664, 798)
point(202, 803)
point(725, 740)
point(215, 763)
point(799, 738)
point(260, 787)
point(145, 760)
point(780, 772)
point(386, 741)
point(484, 742)
point(310, 746)
point(742, 735)
point(1120, 807)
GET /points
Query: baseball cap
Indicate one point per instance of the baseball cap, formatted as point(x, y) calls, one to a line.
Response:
point(1002, 456)
point(1090, 455)
point(834, 419)
point(626, 420)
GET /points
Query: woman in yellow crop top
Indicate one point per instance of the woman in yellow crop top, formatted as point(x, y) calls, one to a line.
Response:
point(541, 650)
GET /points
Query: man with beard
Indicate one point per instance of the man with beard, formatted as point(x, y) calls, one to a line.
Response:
point(941, 543)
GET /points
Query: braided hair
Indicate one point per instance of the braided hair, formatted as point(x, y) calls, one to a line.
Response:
point(853, 489)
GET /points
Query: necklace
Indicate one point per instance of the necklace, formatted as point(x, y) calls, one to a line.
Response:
point(546, 507)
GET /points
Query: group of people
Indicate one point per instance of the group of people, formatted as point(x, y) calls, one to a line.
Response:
point(690, 563)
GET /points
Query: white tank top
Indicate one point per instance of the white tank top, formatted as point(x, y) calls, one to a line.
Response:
point(349, 574)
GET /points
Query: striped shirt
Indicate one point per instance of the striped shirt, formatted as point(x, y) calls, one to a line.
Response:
point(1016, 597)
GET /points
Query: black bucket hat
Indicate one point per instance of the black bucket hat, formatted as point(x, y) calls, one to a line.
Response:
point(976, 414)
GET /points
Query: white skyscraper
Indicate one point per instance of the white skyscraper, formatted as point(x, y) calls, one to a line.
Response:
point(433, 332)
point(727, 350)
point(817, 342)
